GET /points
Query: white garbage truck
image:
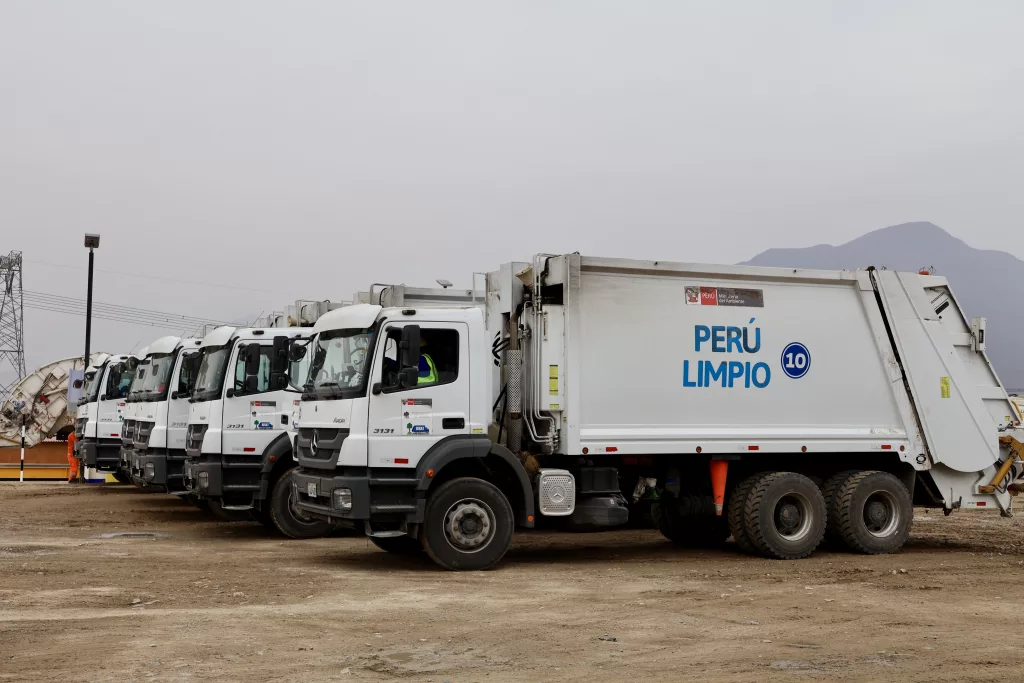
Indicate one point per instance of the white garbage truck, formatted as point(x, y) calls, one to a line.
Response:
point(153, 435)
point(100, 412)
point(776, 406)
point(238, 442)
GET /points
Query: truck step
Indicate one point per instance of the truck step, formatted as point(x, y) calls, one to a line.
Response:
point(236, 507)
point(242, 465)
point(240, 487)
point(392, 508)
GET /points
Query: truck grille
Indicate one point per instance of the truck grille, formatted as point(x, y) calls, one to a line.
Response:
point(328, 442)
point(194, 437)
point(140, 438)
point(127, 432)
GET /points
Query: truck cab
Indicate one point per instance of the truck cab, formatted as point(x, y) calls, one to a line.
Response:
point(157, 434)
point(238, 442)
point(101, 409)
point(131, 406)
point(394, 398)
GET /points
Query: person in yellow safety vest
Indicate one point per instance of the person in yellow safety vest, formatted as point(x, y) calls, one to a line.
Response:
point(428, 371)
point(72, 460)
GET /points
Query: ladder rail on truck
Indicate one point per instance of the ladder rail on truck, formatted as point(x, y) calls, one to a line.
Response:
point(772, 405)
point(154, 437)
point(98, 430)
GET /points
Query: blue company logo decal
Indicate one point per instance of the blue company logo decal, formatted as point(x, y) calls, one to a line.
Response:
point(796, 360)
point(265, 425)
point(420, 429)
point(726, 374)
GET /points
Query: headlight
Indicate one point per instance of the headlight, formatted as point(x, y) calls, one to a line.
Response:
point(150, 470)
point(341, 499)
point(204, 480)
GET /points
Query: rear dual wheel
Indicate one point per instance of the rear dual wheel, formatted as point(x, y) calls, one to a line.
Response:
point(871, 512)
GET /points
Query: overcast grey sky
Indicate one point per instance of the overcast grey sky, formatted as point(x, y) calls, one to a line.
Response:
point(307, 149)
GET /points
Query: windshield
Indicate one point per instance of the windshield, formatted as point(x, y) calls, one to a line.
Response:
point(119, 379)
point(92, 386)
point(213, 361)
point(137, 390)
point(158, 375)
point(340, 364)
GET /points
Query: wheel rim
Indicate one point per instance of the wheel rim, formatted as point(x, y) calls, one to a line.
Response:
point(793, 517)
point(293, 508)
point(469, 525)
point(881, 514)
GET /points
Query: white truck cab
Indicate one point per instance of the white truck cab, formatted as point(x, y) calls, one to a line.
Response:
point(240, 428)
point(156, 434)
point(101, 409)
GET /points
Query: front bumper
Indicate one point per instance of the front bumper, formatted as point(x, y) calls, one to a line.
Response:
point(203, 479)
point(314, 493)
point(105, 457)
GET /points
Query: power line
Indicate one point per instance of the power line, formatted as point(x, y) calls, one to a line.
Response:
point(169, 324)
point(44, 298)
point(158, 277)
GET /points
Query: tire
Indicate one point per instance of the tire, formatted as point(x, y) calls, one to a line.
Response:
point(286, 518)
point(875, 513)
point(784, 516)
point(486, 530)
point(398, 545)
point(735, 511)
point(832, 485)
point(121, 477)
point(692, 531)
point(200, 503)
point(217, 508)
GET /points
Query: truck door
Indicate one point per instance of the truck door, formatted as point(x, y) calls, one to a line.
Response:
point(182, 383)
point(404, 423)
point(111, 408)
point(252, 417)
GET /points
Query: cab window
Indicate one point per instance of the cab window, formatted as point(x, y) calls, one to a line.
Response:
point(438, 361)
point(263, 377)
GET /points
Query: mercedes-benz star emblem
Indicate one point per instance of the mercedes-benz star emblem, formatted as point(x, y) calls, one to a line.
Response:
point(313, 446)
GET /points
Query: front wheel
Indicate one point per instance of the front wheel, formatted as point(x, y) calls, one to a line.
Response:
point(121, 477)
point(467, 525)
point(200, 503)
point(286, 518)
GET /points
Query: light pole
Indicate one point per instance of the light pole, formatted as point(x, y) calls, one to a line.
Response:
point(92, 242)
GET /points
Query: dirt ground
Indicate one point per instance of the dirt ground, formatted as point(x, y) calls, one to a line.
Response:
point(206, 600)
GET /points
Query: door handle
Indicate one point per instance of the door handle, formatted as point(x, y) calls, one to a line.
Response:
point(453, 423)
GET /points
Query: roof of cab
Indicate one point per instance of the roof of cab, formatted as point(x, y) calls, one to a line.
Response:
point(357, 317)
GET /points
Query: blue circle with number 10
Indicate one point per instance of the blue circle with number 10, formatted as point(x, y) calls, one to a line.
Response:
point(796, 360)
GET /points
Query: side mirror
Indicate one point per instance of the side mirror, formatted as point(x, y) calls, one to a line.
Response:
point(279, 357)
point(296, 352)
point(252, 384)
point(174, 395)
point(77, 384)
point(252, 358)
point(409, 347)
point(408, 377)
point(103, 397)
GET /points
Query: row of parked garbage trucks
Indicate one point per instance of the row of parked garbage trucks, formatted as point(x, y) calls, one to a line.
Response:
point(779, 407)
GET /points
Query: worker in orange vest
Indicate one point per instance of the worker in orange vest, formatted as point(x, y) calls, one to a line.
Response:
point(72, 460)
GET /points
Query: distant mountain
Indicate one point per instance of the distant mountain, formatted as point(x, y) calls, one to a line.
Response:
point(984, 282)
